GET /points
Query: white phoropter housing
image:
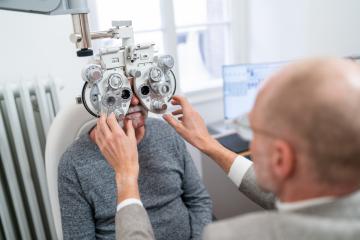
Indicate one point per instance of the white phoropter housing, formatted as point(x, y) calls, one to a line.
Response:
point(107, 81)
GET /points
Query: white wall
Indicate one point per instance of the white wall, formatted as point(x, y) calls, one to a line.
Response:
point(290, 29)
point(333, 27)
point(276, 30)
point(37, 45)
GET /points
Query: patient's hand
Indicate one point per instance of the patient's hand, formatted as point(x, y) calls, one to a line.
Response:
point(119, 147)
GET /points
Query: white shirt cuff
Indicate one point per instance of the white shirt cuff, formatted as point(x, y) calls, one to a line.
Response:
point(238, 169)
point(128, 202)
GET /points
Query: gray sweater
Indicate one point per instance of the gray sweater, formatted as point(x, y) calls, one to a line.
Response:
point(171, 190)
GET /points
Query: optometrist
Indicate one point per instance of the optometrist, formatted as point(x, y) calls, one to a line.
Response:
point(305, 150)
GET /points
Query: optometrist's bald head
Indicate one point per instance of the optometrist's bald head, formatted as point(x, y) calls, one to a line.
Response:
point(315, 105)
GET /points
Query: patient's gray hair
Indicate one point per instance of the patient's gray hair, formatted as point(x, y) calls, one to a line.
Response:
point(316, 105)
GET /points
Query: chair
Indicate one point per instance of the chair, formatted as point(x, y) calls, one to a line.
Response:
point(69, 124)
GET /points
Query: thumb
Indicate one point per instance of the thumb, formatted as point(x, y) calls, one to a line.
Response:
point(172, 122)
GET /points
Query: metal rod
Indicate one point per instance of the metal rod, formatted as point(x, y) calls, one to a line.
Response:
point(102, 34)
point(82, 29)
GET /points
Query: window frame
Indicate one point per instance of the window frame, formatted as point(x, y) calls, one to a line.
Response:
point(236, 39)
point(170, 40)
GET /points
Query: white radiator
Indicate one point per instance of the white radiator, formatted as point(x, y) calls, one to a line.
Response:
point(26, 112)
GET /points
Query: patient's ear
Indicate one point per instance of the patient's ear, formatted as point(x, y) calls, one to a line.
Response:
point(283, 160)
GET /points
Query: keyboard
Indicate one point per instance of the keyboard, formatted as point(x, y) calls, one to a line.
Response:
point(234, 143)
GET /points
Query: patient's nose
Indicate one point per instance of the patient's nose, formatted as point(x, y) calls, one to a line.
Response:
point(134, 100)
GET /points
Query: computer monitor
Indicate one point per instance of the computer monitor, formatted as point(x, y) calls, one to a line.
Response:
point(241, 84)
point(243, 81)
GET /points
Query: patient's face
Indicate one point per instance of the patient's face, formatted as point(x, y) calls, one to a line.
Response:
point(137, 113)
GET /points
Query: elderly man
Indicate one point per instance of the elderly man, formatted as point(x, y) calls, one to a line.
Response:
point(171, 190)
point(305, 148)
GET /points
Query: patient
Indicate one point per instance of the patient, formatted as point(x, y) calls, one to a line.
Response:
point(171, 190)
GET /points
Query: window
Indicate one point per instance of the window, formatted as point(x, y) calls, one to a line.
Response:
point(145, 17)
point(202, 29)
point(196, 32)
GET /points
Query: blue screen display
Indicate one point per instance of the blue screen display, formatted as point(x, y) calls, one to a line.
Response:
point(241, 85)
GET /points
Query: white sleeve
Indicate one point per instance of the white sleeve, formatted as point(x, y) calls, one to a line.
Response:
point(238, 169)
point(128, 202)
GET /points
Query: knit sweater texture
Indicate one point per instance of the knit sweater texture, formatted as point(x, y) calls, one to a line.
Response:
point(171, 190)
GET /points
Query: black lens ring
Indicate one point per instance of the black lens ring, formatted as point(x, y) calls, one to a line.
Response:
point(128, 90)
point(84, 101)
point(173, 93)
point(141, 88)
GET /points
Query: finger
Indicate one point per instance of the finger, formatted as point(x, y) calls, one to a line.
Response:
point(98, 137)
point(174, 100)
point(174, 103)
point(97, 129)
point(180, 100)
point(113, 125)
point(103, 127)
point(177, 112)
point(183, 102)
point(173, 122)
point(94, 133)
point(129, 128)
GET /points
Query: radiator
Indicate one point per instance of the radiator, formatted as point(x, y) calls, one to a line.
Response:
point(26, 112)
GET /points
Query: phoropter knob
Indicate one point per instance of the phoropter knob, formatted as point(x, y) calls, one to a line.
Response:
point(166, 61)
point(155, 74)
point(92, 73)
point(119, 114)
point(115, 81)
point(159, 105)
point(161, 88)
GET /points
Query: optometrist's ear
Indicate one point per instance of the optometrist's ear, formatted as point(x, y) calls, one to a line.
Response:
point(283, 159)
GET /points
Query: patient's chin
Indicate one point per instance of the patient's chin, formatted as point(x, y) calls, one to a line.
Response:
point(137, 118)
point(138, 122)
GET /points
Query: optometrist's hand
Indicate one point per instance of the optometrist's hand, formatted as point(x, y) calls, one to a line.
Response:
point(189, 124)
point(119, 147)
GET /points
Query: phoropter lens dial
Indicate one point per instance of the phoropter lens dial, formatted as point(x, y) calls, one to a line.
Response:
point(166, 61)
point(155, 74)
point(115, 81)
point(92, 73)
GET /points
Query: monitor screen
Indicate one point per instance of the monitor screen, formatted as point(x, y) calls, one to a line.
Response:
point(241, 84)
